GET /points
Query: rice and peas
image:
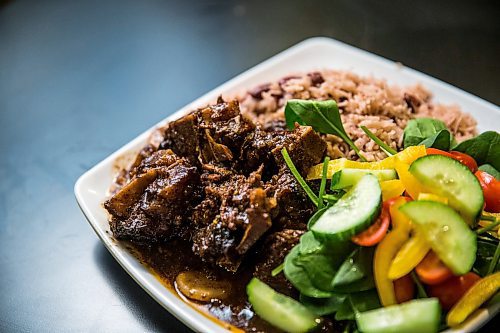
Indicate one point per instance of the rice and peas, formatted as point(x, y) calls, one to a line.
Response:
point(384, 109)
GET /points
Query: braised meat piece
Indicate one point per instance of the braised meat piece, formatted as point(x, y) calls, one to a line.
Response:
point(271, 254)
point(294, 208)
point(126, 174)
point(235, 213)
point(304, 145)
point(210, 135)
point(152, 206)
point(181, 136)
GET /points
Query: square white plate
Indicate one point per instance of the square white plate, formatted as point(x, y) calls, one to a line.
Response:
point(316, 53)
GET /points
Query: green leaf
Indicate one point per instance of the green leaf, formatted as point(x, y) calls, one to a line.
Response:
point(356, 267)
point(488, 168)
point(356, 303)
point(310, 244)
point(484, 256)
point(322, 116)
point(420, 129)
point(319, 267)
point(441, 140)
point(484, 148)
point(320, 260)
point(299, 277)
point(323, 306)
point(335, 179)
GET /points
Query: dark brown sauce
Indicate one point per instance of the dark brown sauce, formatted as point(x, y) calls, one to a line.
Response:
point(234, 313)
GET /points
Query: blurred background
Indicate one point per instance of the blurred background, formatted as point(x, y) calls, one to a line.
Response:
point(78, 79)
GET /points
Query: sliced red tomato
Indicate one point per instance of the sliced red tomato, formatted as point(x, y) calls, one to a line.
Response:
point(450, 291)
point(491, 191)
point(465, 159)
point(376, 232)
point(431, 269)
point(434, 151)
point(404, 288)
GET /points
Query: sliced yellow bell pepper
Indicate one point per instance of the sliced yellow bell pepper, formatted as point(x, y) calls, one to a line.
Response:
point(408, 257)
point(386, 250)
point(391, 188)
point(479, 293)
point(410, 154)
point(432, 197)
point(406, 156)
point(412, 186)
point(415, 249)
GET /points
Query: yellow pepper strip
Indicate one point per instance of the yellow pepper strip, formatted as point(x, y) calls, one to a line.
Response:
point(408, 257)
point(391, 188)
point(411, 184)
point(406, 156)
point(415, 249)
point(386, 250)
point(432, 197)
point(479, 293)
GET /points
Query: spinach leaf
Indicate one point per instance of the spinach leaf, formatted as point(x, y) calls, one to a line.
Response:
point(358, 302)
point(440, 140)
point(485, 252)
point(335, 180)
point(491, 170)
point(319, 267)
point(323, 306)
point(321, 260)
point(484, 148)
point(299, 277)
point(358, 266)
point(322, 116)
point(426, 131)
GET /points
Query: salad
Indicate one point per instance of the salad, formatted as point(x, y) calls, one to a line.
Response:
point(409, 243)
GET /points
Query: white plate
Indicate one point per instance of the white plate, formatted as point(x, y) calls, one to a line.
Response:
point(315, 53)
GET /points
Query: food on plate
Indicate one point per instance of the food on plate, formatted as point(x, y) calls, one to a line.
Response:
point(321, 202)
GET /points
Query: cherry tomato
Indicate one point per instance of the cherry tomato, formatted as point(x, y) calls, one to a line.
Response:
point(375, 233)
point(456, 155)
point(450, 291)
point(434, 151)
point(404, 288)
point(431, 269)
point(465, 159)
point(491, 191)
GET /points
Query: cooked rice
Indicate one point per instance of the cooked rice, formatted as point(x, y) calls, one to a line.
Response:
point(384, 109)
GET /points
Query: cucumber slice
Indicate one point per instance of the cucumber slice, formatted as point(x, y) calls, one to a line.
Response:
point(417, 316)
point(349, 177)
point(353, 213)
point(446, 232)
point(279, 310)
point(449, 178)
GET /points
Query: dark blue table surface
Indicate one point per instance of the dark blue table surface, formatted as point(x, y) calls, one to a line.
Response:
point(78, 79)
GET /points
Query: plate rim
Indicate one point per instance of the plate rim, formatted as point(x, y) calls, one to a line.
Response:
point(191, 317)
